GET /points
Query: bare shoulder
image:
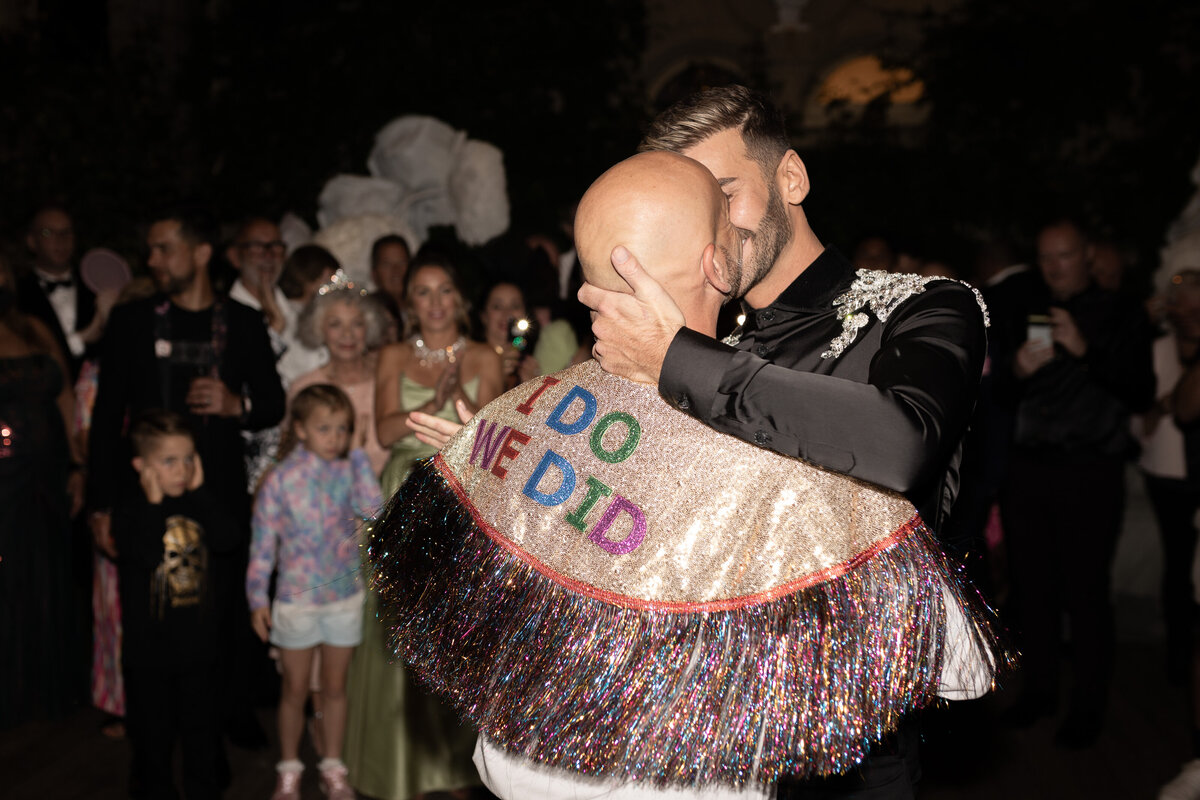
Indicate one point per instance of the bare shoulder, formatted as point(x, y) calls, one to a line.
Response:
point(395, 354)
point(479, 356)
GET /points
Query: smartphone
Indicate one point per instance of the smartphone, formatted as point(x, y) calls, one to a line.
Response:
point(523, 334)
point(1039, 329)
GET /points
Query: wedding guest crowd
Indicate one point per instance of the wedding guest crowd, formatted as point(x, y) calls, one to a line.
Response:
point(159, 411)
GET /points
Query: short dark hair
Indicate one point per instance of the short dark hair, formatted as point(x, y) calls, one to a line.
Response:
point(303, 266)
point(711, 111)
point(42, 209)
point(384, 241)
point(154, 425)
point(1066, 221)
point(196, 225)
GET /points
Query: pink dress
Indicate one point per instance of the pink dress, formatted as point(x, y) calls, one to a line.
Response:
point(362, 397)
point(108, 687)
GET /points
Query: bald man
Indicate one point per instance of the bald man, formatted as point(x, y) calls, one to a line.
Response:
point(630, 605)
point(673, 214)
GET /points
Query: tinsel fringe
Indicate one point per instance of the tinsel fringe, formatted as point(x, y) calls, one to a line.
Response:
point(799, 686)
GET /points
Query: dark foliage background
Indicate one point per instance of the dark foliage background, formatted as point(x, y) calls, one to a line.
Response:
point(273, 99)
point(1035, 108)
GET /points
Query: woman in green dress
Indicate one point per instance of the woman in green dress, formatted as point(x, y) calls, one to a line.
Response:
point(401, 741)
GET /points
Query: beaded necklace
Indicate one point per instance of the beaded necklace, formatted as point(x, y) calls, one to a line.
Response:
point(437, 355)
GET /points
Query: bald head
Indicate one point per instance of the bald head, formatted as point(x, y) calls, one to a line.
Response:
point(668, 211)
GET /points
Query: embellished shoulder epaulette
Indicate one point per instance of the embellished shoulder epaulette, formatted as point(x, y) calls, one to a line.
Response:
point(882, 292)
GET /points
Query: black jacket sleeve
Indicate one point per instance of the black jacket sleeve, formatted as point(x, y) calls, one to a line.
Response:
point(255, 377)
point(895, 430)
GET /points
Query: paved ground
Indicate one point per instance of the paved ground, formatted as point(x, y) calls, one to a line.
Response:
point(967, 753)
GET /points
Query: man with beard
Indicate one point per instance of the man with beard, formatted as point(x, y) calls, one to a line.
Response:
point(724, 632)
point(872, 375)
point(189, 350)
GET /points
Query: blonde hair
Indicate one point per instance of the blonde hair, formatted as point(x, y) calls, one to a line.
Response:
point(310, 398)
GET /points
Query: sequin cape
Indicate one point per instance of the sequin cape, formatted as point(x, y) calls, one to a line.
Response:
point(604, 585)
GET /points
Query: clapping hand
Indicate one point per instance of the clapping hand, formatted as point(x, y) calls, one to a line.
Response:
point(446, 386)
point(435, 431)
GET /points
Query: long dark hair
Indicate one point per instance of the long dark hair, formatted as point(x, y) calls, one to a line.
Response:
point(462, 315)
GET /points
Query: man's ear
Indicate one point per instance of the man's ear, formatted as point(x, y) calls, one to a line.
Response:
point(714, 273)
point(202, 254)
point(31, 241)
point(793, 178)
point(233, 257)
point(139, 464)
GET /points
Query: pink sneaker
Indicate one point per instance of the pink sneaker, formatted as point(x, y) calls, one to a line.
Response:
point(333, 782)
point(287, 785)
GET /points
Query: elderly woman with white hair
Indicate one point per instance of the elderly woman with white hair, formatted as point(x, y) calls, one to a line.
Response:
point(343, 319)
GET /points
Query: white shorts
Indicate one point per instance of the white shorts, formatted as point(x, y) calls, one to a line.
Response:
point(299, 626)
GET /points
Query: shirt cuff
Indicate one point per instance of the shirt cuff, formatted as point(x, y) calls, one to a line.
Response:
point(692, 371)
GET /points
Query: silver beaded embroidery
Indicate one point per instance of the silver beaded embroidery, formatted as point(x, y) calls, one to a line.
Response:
point(882, 292)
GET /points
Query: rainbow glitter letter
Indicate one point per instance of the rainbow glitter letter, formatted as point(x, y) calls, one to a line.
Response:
point(630, 542)
point(564, 489)
point(585, 417)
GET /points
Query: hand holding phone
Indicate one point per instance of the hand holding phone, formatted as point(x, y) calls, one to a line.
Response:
point(1039, 330)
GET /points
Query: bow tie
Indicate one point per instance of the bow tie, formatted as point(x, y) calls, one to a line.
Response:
point(51, 286)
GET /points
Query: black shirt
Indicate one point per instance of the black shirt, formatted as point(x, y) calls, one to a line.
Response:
point(148, 360)
point(164, 566)
point(890, 409)
point(1077, 409)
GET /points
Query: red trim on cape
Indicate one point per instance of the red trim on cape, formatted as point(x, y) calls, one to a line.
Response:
point(625, 601)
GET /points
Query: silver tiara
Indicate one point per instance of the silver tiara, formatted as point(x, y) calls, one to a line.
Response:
point(340, 283)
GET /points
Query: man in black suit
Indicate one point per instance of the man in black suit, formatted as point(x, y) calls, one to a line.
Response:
point(190, 350)
point(53, 292)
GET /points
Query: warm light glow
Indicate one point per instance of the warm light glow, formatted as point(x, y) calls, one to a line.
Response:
point(861, 80)
point(6, 431)
point(741, 319)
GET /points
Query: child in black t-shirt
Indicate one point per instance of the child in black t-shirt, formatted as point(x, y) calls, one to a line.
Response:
point(165, 532)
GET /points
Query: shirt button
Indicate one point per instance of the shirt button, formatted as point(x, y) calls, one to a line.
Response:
point(682, 403)
point(761, 350)
point(761, 437)
point(766, 316)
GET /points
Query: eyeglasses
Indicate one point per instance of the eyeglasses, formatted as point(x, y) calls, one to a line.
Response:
point(275, 248)
point(59, 234)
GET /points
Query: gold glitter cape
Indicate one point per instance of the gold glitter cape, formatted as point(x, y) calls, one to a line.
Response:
point(726, 523)
point(583, 568)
